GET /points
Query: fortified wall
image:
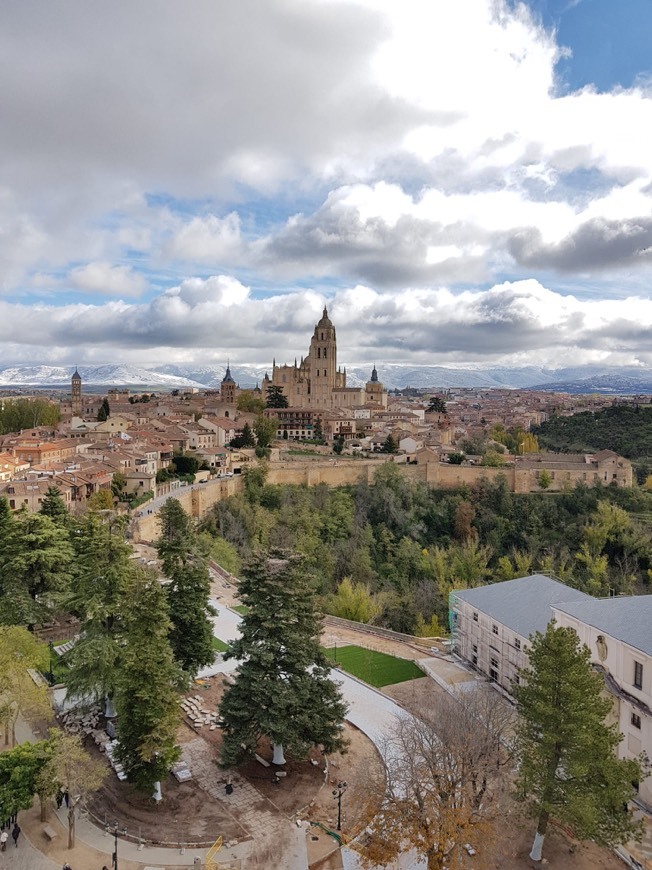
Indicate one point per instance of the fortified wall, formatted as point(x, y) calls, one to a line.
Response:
point(524, 476)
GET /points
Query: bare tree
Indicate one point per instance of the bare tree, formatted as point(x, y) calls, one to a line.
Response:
point(443, 782)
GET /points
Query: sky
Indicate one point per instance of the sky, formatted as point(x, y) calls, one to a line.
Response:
point(461, 182)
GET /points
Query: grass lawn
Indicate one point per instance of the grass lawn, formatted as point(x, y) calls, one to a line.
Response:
point(219, 645)
point(376, 668)
point(242, 609)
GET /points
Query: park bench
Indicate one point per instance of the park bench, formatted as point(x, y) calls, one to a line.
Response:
point(49, 832)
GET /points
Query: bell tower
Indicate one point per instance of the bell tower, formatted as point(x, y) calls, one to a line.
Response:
point(323, 363)
point(76, 394)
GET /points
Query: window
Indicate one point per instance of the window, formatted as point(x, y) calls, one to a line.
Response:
point(638, 675)
point(493, 670)
point(636, 720)
point(517, 643)
point(494, 628)
point(325, 349)
point(475, 616)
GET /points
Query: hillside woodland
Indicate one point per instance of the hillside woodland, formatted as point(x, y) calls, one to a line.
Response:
point(392, 552)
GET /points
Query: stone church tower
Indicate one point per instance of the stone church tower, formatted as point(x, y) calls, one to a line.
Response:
point(323, 363)
point(228, 387)
point(76, 394)
point(316, 382)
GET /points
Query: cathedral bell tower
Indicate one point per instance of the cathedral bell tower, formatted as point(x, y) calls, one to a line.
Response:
point(323, 363)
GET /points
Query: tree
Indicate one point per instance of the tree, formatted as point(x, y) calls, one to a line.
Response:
point(17, 414)
point(191, 634)
point(54, 506)
point(69, 766)
point(545, 479)
point(355, 601)
point(102, 569)
point(101, 500)
point(35, 562)
point(250, 402)
point(437, 406)
point(318, 432)
point(456, 458)
point(19, 770)
point(21, 652)
point(566, 752)
point(245, 438)
point(265, 429)
point(276, 398)
point(282, 689)
point(390, 445)
point(146, 697)
point(338, 444)
point(441, 783)
point(104, 411)
point(185, 463)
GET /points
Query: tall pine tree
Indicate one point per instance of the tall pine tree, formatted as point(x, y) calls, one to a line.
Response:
point(101, 573)
point(148, 712)
point(282, 690)
point(568, 767)
point(191, 633)
point(54, 506)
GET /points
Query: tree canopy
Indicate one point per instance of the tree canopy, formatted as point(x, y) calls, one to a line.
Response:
point(276, 397)
point(282, 686)
point(567, 753)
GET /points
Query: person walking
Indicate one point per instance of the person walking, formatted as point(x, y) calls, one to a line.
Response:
point(4, 836)
point(16, 834)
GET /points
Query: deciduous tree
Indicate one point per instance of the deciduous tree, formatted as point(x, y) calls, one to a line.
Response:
point(568, 766)
point(442, 782)
point(21, 652)
point(69, 766)
point(355, 601)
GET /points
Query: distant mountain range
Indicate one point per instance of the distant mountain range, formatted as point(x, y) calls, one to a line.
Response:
point(578, 379)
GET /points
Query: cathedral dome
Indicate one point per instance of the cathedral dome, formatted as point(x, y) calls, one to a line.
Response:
point(325, 319)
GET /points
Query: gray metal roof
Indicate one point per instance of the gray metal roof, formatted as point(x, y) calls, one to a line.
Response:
point(523, 604)
point(627, 618)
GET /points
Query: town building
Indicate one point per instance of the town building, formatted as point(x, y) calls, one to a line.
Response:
point(491, 628)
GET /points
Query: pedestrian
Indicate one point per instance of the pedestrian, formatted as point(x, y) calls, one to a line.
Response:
point(4, 836)
point(16, 834)
point(229, 786)
point(59, 799)
point(66, 797)
point(66, 866)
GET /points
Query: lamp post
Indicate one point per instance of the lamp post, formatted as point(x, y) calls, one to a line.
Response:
point(337, 793)
point(51, 674)
point(114, 831)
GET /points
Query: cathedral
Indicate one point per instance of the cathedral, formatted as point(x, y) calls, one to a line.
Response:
point(318, 382)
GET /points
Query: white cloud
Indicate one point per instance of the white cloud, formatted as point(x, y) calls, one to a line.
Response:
point(425, 143)
point(108, 280)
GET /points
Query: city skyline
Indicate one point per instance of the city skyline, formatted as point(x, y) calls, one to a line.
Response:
point(459, 185)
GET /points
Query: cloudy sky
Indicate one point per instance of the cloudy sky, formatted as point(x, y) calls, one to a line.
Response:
point(461, 181)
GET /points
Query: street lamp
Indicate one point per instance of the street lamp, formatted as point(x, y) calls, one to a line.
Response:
point(114, 831)
point(337, 793)
point(51, 674)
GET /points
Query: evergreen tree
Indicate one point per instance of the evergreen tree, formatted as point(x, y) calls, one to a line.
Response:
point(245, 438)
point(390, 445)
point(146, 699)
point(282, 688)
point(338, 444)
point(102, 569)
point(568, 766)
point(318, 432)
point(105, 410)
point(54, 506)
point(276, 397)
point(35, 559)
point(191, 635)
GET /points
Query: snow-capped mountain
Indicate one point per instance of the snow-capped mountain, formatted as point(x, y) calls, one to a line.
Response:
point(578, 379)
